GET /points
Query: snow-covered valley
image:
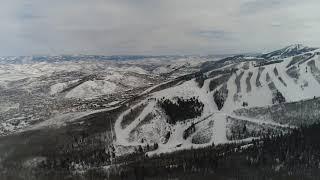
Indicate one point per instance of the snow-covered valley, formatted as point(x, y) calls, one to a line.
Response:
point(33, 90)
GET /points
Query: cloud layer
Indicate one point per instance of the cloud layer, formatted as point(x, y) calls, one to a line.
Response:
point(155, 27)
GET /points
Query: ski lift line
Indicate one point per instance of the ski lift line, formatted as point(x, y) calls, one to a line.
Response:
point(205, 118)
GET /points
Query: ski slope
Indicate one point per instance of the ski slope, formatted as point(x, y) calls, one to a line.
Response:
point(304, 87)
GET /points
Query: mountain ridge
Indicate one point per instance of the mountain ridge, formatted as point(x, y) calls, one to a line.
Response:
point(291, 50)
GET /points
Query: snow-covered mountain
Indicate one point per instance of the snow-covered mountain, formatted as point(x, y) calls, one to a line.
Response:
point(288, 51)
point(225, 97)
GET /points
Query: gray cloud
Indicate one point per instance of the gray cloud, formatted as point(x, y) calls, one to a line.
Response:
point(214, 34)
point(155, 27)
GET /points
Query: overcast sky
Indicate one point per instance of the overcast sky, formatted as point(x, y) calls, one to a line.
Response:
point(155, 27)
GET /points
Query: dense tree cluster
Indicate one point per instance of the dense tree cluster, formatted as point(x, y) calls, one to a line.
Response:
point(214, 83)
point(89, 152)
point(268, 78)
point(200, 80)
point(181, 109)
point(278, 98)
point(132, 115)
point(189, 131)
point(220, 96)
point(295, 60)
point(222, 72)
point(203, 136)
point(83, 152)
point(258, 83)
point(267, 62)
point(275, 71)
point(238, 81)
point(296, 153)
point(282, 81)
point(250, 74)
point(239, 129)
point(293, 72)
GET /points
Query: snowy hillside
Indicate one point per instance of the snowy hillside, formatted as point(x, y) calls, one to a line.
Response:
point(224, 92)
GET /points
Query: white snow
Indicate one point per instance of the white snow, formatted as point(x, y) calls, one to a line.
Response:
point(56, 88)
point(91, 89)
point(161, 70)
point(220, 129)
point(136, 69)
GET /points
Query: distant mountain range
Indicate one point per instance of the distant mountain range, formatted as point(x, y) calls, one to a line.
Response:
point(288, 51)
